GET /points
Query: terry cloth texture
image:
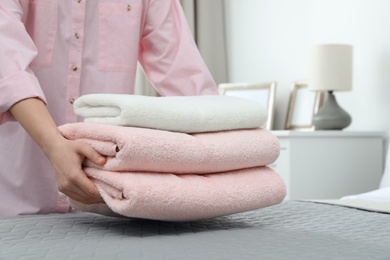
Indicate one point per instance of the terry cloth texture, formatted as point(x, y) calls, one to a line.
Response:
point(141, 149)
point(177, 158)
point(186, 114)
point(174, 197)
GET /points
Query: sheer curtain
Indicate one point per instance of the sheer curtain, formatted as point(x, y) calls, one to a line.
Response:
point(207, 22)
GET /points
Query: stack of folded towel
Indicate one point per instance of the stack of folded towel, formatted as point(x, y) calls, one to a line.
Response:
point(177, 158)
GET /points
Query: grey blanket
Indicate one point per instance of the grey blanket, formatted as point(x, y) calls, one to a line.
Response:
point(291, 230)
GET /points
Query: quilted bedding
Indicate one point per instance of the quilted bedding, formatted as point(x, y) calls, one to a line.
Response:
point(290, 230)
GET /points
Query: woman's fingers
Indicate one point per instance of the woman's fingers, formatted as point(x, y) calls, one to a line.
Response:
point(89, 190)
point(84, 187)
point(81, 189)
point(71, 179)
point(92, 155)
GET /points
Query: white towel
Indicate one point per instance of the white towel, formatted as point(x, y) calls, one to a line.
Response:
point(380, 195)
point(186, 114)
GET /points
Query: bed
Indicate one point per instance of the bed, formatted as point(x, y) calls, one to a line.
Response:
point(290, 230)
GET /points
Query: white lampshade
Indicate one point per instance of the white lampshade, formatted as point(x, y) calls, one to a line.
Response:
point(330, 67)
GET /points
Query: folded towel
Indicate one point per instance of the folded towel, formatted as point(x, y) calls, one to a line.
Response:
point(184, 197)
point(186, 114)
point(142, 149)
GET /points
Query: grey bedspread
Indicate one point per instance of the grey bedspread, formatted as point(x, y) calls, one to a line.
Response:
point(291, 230)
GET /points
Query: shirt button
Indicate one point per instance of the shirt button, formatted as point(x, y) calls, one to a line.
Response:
point(78, 1)
point(77, 35)
point(128, 8)
point(74, 67)
point(71, 100)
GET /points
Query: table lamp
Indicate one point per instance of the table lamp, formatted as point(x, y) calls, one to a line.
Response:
point(330, 69)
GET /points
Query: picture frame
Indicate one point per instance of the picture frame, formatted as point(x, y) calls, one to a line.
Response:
point(303, 105)
point(264, 93)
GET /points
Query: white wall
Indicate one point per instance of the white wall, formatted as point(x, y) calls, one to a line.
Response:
point(269, 40)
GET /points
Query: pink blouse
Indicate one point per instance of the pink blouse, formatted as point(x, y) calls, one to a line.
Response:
point(58, 50)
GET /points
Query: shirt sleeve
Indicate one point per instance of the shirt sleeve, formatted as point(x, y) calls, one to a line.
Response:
point(17, 50)
point(169, 55)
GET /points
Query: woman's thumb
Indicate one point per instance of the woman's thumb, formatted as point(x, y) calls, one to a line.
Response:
point(94, 156)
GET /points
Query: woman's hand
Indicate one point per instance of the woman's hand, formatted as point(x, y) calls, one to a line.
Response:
point(67, 158)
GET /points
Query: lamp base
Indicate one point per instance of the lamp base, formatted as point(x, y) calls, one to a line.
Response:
point(331, 116)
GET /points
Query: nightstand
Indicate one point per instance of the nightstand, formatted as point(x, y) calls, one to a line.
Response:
point(329, 164)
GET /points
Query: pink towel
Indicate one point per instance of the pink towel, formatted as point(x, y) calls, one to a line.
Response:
point(150, 150)
point(173, 197)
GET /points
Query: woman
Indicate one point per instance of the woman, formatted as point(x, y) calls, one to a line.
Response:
point(55, 51)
